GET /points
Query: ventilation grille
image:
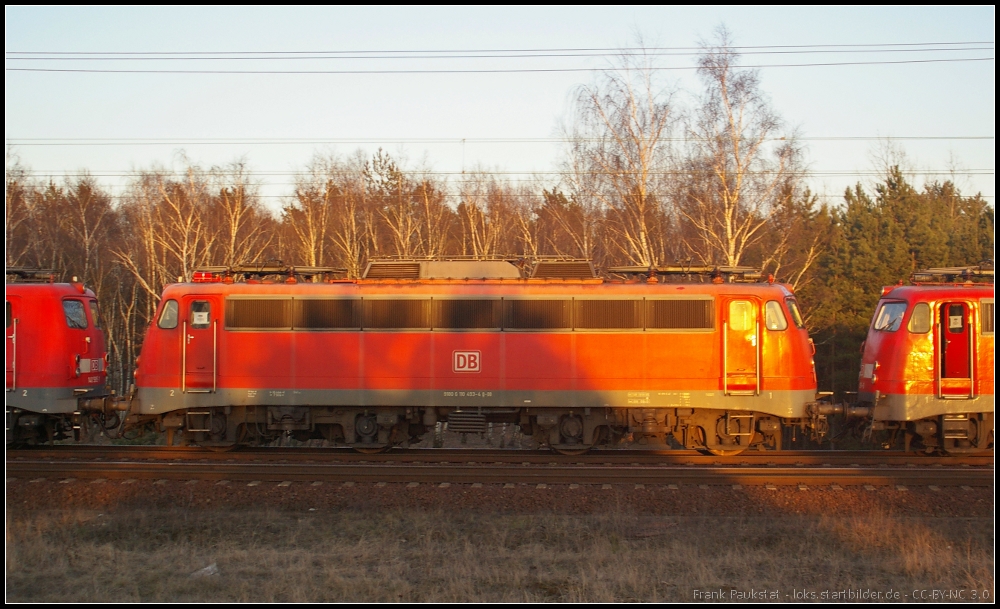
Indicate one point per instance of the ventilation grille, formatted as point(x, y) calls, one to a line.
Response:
point(607, 314)
point(563, 270)
point(327, 314)
point(393, 270)
point(466, 314)
point(679, 314)
point(397, 314)
point(480, 314)
point(537, 314)
point(258, 314)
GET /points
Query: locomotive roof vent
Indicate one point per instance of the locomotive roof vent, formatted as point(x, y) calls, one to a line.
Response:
point(981, 273)
point(441, 269)
point(563, 269)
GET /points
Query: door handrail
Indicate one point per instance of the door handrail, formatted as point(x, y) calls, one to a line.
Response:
point(184, 351)
point(725, 358)
point(13, 356)
point(760, 345)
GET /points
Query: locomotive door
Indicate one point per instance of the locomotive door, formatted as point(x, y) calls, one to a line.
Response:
point(201, 343)
point(741, 347)
point(13, 312)
point(955, 351)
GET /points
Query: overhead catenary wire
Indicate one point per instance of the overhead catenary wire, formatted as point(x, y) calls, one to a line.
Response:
point(487, 70)
point(608, 50)
point(83, 141)
point(267, 56)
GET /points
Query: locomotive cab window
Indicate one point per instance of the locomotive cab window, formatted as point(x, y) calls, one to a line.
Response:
point(168, 316)
point(774, 317)
point(793, 308)
point(201, 313)
point(889, 316)
point(94, 316)
point(920, 319)
point(76, 314)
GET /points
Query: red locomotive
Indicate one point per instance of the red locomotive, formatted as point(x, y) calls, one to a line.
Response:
point(927, 364)
point(56, 356)
point(717, 360)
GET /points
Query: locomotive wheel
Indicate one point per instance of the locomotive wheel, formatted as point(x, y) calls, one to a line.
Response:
point(220, 448)
point(719, 452)
point(371, 450)
point(572, 452)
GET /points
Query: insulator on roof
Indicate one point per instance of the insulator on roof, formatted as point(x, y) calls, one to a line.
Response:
point(27, 274)
point(691, 273)
point(981, 273)
point(272, 269)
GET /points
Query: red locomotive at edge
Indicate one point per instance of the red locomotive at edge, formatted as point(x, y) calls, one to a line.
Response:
point(56, 356)
point(576, 361)
point(927, 366)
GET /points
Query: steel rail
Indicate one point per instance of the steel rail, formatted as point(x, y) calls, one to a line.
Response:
point(825, 458)
point(531, 473)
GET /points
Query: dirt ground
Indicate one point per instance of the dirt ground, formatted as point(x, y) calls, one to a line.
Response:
point(182, 541)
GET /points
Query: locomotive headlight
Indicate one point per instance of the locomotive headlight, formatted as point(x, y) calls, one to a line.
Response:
point(76, 369)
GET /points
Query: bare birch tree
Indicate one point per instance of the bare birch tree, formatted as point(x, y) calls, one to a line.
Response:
point(244, 227)
point(620, 153)
point(740, 159)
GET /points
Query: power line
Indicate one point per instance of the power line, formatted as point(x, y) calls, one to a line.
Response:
point(515, 50)
point(266, 56)
point(42, 141)
point(485, 71)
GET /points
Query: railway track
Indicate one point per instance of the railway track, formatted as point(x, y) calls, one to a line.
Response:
point(469, 466)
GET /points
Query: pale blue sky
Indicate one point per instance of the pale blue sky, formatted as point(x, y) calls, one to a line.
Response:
point(900, 100)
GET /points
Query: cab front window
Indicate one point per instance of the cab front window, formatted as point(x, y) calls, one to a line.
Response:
point(774, 317)
point(76, 314)
point(889, 316)
point(94, 314)
point(793, 308)
point(168, 316)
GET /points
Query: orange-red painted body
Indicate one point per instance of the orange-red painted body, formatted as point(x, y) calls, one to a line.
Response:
point(55, 349)
point(750, 355)
point(930, 352)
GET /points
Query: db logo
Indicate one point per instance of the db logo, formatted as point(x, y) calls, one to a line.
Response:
point(466, 361)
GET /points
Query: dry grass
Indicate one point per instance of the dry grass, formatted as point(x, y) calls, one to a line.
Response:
point(284, 556)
